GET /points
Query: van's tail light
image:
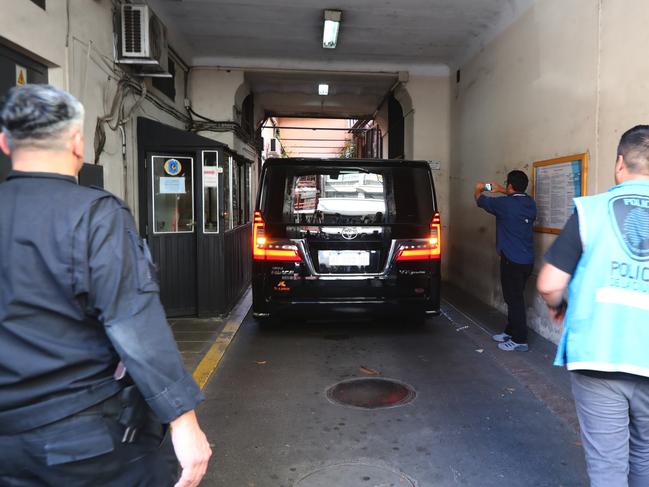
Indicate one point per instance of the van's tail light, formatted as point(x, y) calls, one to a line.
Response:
point(265, 249)
point(431, 250)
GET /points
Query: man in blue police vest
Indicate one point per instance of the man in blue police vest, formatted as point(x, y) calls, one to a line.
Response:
point(602, 258)
point(89, 369)
point(515, 215)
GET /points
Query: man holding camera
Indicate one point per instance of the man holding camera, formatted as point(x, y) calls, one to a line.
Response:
point(515, 214)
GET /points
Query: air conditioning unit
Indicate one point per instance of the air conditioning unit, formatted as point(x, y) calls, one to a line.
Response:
point(143, 41)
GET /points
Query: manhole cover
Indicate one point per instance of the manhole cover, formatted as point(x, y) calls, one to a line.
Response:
point(355, 475)
point(371, 393)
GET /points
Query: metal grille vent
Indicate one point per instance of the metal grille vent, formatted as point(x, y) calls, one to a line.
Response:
point(134, 37)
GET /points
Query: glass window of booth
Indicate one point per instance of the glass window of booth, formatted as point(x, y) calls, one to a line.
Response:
point(210, 192)
point(237, 193)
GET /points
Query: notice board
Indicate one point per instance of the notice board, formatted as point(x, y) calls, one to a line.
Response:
point(556, 182)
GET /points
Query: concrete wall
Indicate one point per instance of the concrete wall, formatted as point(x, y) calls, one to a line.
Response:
point(40, 33)
point(427, 112)
point(217, 94)
point(80, 57)
point(212, 92)
point(566, 78)
point(623, 80)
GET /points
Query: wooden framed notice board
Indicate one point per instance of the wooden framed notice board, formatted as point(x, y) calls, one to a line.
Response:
point(556, 182)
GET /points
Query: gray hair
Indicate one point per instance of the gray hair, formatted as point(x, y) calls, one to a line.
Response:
point(39, 117)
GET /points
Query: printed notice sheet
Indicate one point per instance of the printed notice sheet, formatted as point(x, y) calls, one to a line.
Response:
point(556, 183)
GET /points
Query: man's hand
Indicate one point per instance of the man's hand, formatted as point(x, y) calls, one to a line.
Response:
point(558, 313)
point(551, 285)
point(191, 447)
point(479, 187)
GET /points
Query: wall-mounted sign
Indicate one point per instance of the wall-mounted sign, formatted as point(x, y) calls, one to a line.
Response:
point(435, 165)
point(21, 75)
point(172, 185)
point(173, 167)
point(556, 183)
point(210, 177)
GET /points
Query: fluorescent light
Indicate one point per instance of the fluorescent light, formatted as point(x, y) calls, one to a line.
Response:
point(331, 25)
point(323, 89)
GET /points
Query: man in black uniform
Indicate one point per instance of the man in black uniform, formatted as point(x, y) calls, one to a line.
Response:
point(89, 369)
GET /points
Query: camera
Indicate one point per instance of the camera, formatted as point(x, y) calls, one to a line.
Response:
point(488, 187)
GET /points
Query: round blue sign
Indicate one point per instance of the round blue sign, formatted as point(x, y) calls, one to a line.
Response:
point(173, 167)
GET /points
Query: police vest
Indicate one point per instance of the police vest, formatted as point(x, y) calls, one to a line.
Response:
point(607, 322)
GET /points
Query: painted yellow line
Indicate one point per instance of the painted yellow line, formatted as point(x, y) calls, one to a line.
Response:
point(212, 358)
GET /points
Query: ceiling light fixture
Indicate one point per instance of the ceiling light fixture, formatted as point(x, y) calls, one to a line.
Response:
point(332, 20)
point(323, 89)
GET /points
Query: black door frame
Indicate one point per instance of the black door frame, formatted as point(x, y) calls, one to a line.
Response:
point(36, 74)
point(175, 253)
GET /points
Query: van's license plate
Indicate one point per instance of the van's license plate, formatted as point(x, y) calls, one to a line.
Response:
point(348, 258)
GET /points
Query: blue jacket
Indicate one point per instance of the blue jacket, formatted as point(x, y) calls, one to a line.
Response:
point(607, 321)
point(515, 215)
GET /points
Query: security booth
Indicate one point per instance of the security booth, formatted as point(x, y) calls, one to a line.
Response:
point(195, 198)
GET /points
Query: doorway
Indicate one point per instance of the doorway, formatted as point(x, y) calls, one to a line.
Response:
point(171, 229)
point(15, 66)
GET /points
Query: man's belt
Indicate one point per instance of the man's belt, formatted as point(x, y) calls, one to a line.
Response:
point(128, 408)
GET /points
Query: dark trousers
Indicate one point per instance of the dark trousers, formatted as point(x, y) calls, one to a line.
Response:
point(87, 450)
point(513, 277)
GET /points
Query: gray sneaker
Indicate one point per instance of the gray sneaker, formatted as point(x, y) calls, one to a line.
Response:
point(501, 337)
point(511, 346)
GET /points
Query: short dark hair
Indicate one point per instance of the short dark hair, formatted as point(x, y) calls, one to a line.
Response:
point(634, 147)
point(518, 180)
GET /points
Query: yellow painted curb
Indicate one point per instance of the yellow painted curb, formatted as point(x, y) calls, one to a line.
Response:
point(212, 358)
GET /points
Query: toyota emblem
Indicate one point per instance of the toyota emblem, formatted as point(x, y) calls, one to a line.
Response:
point(349, 233)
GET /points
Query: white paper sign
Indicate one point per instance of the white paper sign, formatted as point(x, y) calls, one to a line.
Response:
point(210, 177)
point(556, 186)
point(172, 185)
point(435, 165)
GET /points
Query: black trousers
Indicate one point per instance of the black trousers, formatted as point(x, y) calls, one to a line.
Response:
point(513, 277)
point(86, 450)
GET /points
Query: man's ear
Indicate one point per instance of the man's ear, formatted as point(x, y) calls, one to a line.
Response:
point(4, 144)
point(620, 169)
point(78, 145)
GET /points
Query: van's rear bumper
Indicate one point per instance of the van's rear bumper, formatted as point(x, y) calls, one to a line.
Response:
point(347, 297)
point(326, 309)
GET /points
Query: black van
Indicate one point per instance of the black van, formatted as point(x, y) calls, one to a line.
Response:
point(334, 235)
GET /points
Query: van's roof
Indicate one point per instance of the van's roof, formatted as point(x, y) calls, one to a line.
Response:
point(311, 161)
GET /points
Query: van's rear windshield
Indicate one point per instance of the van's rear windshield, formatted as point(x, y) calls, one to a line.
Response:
point(323, 195)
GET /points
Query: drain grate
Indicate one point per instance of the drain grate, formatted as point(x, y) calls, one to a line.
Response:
point(371, 393)
point(356, 475)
